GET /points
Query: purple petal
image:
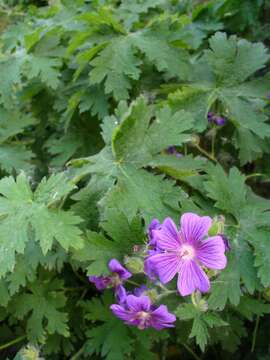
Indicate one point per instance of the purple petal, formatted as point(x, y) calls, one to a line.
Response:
point(101, 282)
point(140, 290)
point(138, 303)
point(167, 237)
point(161, 318)
point(166, 265)
point(226, 242)
point(116, 267)
point(120, 312)
point(192, 277)
point(210, 115)
point(154, 225)
point(173, 151)
point(211, 253)
point(220, 120)
point(120, 293)
point(149, 268)
point(194, 228)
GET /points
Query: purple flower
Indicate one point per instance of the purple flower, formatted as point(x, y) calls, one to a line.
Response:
point(219, 120)
point(183, 252)
point(138, 311)
point(210, 116)
point(101, 282)
point(172, 151)
point(118, 277)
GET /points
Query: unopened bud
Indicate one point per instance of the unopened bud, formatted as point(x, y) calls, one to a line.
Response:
point(200, 303)
point(194, 140)
point(30, 352)
point(134, 264)
point(217, 226)
point(153, 294)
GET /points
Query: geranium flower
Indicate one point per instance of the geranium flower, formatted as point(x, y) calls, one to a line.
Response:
point(138, 311)
point(185, 251)
point(118, 277)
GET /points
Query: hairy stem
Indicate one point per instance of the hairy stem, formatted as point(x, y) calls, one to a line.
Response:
point(190, 351)
point(78, 354)
point(204, 152)
point(255, 332)
point(12, 342)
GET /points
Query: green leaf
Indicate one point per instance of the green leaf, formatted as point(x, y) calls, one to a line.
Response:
point(117, 65)
point(96, 253)
point(202, 321)
point(136, 141)
point(235, 60)
point(179, 168)
point(51, 225)
point(44, 67)
point(98, 250)
point(249, 307)
point(10, 76)
point(13, 123)
point(104, 339)
point(228, 191)
point(43, 305)
point(227, 285)
point(158, 51)
point(260, 240)
point(15, 157)
point(25, 212)
point(138, 190)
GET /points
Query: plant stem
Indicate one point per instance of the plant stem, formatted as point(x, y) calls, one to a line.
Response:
point(254, 175)
point(133, 283)
point(78, 354)
point(166, 293)
point(204, 152)
point(213, 139)
point(12, 342)
point(78, 288)
point(255, 332)
point(190, 351)
point(79, 276)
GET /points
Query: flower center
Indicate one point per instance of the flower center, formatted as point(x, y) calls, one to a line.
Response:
point(187, 252)
point(116, 279)
point(143, 317)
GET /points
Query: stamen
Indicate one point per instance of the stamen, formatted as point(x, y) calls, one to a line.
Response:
point(187, 252)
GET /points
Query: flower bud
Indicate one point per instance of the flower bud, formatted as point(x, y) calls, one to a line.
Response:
point(153, 294)
point(30, 352)
point(195, 140)
point(200, 303)
point(134, 264)
point(217, 226)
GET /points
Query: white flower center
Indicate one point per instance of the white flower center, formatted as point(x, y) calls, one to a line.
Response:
point(187, 252)
point(143, 317)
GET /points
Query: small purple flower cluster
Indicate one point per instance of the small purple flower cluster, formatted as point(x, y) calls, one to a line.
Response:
point(216, 119)
point(185, 252)
point(171, 150)
point(118, 276)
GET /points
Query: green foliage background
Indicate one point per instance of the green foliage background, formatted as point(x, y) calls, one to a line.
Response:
point(92, 93)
